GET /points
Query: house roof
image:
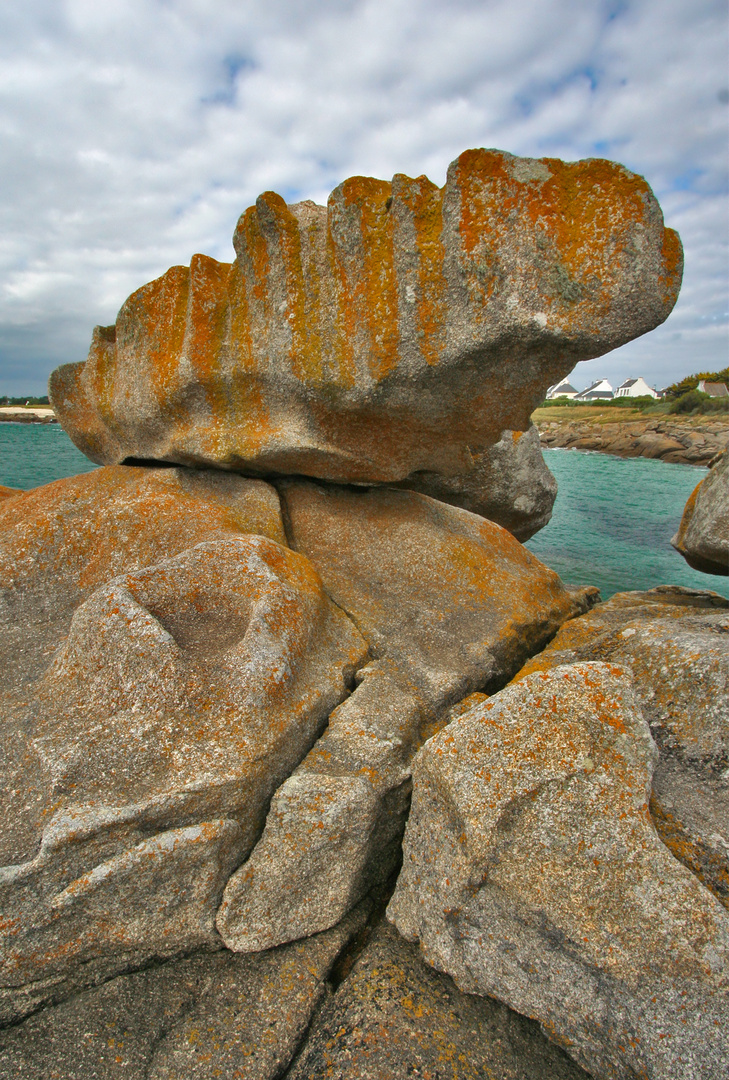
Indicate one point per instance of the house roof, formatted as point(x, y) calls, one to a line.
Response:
point(564, 385)
point(627, 383)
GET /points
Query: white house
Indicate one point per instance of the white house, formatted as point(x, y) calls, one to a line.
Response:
point(599, 389)
point(562, 389)
point(713, 389)
point(635, 388)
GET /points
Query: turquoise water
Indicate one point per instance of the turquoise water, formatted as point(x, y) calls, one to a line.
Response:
point(35, 454)
point(612, 524)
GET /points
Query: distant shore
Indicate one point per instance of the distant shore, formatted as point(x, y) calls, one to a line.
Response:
point(27, 414)
point(686, 440)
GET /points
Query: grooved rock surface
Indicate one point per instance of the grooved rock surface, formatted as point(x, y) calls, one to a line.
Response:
point(448, 604)
point(703, 535)
point(675, 642)
point(183, 695)
point(197, 1018)
point(549, 888)
point(402, 328)
point(394, 1017)
point(509, 484)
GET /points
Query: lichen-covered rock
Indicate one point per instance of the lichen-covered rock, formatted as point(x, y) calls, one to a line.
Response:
point(394, 1017)
point(402, 328)
point(61, 542)
point(196, 1018)
point(548, 887)
point(182, 697)
point(448, 603)
point(675, 642)
point(509, 484)
point(703, 535)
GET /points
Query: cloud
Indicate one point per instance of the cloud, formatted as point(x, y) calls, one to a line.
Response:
point(134, 133)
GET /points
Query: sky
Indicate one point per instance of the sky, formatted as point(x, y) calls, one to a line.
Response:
point(133, 133)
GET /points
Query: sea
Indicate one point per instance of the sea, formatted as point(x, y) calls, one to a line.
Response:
point(611, 527)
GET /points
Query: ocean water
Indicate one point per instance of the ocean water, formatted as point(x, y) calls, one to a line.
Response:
point(613, 521)
point(35, 454)
point(611, 527)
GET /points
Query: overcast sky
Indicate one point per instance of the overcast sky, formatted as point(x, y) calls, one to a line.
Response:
point(133, 133)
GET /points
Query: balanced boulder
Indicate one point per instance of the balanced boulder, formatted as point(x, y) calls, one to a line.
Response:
point(403, 328)
point(703, 535)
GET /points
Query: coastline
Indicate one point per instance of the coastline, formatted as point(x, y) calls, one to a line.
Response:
point(27, 414)
point(684, 440)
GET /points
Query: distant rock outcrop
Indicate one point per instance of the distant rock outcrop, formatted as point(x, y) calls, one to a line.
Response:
point(703, 535)
point(401, 329)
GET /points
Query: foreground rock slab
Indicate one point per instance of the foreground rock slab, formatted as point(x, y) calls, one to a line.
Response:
point(448, 604)
point(184, 694)
point(703, 535)
point(395, 1017)
point(402, 328)
point(675, 643)
point(200, 1017)
point(549, 887)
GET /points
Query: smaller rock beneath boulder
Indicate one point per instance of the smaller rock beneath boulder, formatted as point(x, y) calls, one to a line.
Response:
point(703, 535)
point(509, 484)
point(549, 888)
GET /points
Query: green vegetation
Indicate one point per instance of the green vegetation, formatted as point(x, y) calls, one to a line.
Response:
point(694, 403)
point(27, 400)
point(678, 389)
point(641, 403)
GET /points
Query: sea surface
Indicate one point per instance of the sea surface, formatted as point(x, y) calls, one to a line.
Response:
point(611, 527)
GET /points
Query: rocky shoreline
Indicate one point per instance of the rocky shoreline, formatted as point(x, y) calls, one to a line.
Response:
point(694, 440)
point(22, 415)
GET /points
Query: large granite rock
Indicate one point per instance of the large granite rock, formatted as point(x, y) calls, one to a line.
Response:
point(674, 641)
point(532, 872)
point(703, 535)
point(448, 603)
point(509, 484)
point(183, 696)
point(403, 328)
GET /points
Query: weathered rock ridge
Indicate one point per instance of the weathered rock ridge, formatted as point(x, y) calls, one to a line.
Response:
point(401, 329)
point(703, 535)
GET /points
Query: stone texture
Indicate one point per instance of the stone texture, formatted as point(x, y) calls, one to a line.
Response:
point(182, 697)
point(549, 887)
point(394, 1017)
point(403, 328)
point(674, 641)
point(59, 542)
point(8, 492)
point(200, 1017)
point(509, 484)
point(703, 535)
point(448, 603)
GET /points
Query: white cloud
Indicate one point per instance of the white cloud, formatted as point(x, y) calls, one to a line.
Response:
point(133, 133)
